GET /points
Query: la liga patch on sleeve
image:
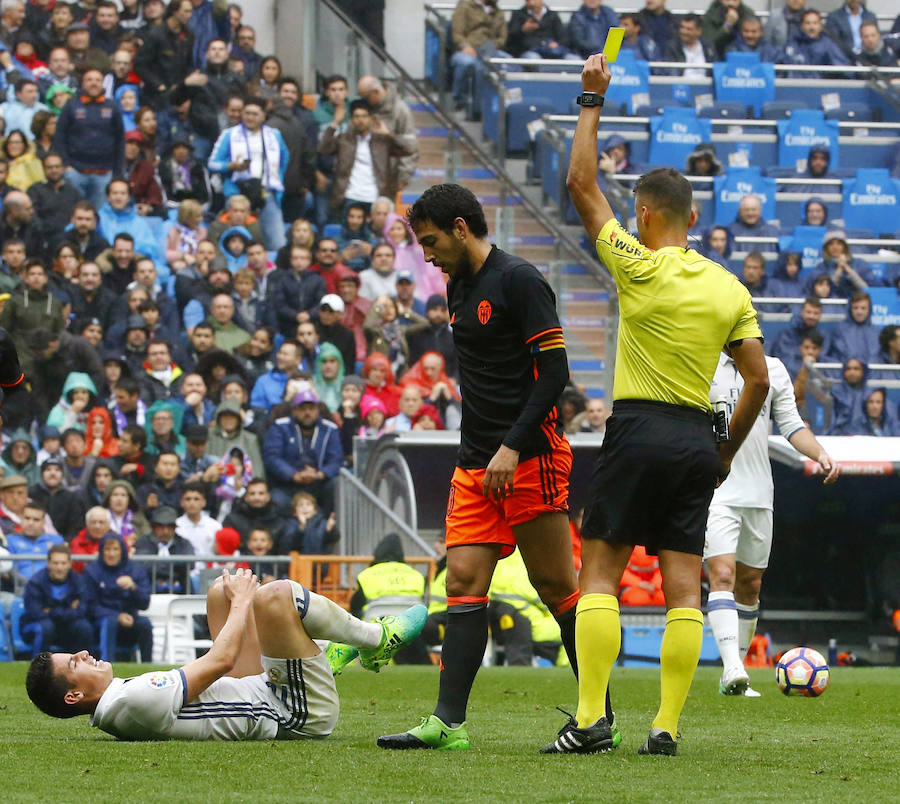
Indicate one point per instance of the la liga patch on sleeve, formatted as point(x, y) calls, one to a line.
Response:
point(160, 680)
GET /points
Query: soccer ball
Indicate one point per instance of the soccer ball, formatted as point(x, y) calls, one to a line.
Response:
point(802, 671)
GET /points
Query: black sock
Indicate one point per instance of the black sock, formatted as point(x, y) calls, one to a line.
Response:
point(566, 622)
point(464, 644)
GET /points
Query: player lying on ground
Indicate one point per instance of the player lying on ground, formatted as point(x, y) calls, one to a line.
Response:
point(264, 678)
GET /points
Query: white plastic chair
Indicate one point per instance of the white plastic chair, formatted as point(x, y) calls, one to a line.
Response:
point(180, 645)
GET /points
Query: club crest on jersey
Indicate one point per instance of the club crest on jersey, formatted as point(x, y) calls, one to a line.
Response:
point(160, 680)
point(484, 311)
point(274, 675)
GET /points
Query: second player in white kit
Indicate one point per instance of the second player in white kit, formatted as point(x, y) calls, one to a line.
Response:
point(739, 527)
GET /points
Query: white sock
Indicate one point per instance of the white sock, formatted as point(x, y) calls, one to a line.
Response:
point(747, 618)
point(325, 619)
point(721, 611)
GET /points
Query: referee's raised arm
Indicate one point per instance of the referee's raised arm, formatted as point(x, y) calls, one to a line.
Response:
point(581, 180)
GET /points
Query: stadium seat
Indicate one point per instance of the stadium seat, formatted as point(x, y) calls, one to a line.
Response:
point(518, 116)
point(730, 109)
point(852, 111)
point(6, 649)
point(332, 230)
point(779, 110)
point(649, 110)
point(18, 631)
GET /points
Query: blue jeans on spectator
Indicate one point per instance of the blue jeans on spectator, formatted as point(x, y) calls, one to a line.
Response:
point(202, 148)
point(465, 66)
point(91, 185)
point(140, 634)
point(271, 222)
point(70, 636)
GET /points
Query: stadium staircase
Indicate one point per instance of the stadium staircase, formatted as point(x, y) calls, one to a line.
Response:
point(583, 296)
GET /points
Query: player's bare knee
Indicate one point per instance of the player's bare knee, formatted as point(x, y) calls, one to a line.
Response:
point(217, 588)
point(552, 590)
point(747, 588)
point(721, 577)
point(464, 582)
point(271, 597)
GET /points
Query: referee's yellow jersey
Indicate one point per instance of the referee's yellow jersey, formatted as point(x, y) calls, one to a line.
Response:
point(677, 309)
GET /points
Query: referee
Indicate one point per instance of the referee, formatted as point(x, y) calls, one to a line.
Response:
point(659, 463)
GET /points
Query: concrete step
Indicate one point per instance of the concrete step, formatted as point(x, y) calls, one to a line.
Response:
point(583, 303)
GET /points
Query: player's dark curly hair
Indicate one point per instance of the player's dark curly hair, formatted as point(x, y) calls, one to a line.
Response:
point(669, 191)
point(443, 204)
point(46, 688)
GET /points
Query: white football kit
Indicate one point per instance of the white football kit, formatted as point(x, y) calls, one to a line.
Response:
point(740, 515)
point(292, 699)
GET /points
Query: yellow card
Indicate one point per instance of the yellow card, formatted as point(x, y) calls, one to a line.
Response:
point(614, 39)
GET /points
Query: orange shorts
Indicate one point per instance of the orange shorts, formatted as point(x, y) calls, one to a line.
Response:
point(540, 486)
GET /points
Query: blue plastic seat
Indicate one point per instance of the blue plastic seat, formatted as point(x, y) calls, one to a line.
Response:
point(518, 116)
point(730, 109)
point(20, 646)
point(851, 112)
point(779, 110)
point(6, 649)
point(332, 230)
point(649, 110)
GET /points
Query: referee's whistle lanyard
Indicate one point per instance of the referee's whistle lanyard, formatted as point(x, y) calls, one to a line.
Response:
point(262, 140)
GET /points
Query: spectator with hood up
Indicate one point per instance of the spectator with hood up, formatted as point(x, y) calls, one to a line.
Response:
point(118, 589)
point(857, 336)
point(848, 273)
point(817, 167)
point(849, 397)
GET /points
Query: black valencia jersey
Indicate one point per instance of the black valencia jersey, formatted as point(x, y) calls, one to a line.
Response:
point(500, 317)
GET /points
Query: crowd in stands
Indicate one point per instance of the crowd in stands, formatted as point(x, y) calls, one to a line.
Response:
point(210, 293)
point(794, 33)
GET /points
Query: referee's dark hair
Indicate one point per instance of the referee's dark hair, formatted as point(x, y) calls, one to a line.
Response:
point(668, 191)
point(442, 204)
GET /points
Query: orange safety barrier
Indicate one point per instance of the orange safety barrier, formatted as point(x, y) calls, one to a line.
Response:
point(334, 577)
point(759, 655)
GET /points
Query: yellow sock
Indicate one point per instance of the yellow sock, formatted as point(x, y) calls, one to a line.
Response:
point(678, 659)
point(598, 637)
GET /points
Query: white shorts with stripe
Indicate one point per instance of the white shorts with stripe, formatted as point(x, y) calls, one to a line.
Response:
point(745, 533)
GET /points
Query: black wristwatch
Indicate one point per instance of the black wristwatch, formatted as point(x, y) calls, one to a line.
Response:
point(589, 99)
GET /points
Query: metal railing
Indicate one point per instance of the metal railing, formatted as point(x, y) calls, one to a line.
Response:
point(868, 72)
point(366, 519)
point(165, 571)
point(566, 7)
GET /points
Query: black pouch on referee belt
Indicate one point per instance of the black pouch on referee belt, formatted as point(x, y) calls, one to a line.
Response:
point(720, 420)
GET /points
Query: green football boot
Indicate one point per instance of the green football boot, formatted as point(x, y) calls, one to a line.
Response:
point(399, 630)
point(433, 733)
point(339, 656)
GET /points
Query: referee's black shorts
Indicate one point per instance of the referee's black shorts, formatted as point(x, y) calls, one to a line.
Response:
point(654, 478)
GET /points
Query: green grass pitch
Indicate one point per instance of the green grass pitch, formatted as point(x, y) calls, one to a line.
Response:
point(842, 746)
